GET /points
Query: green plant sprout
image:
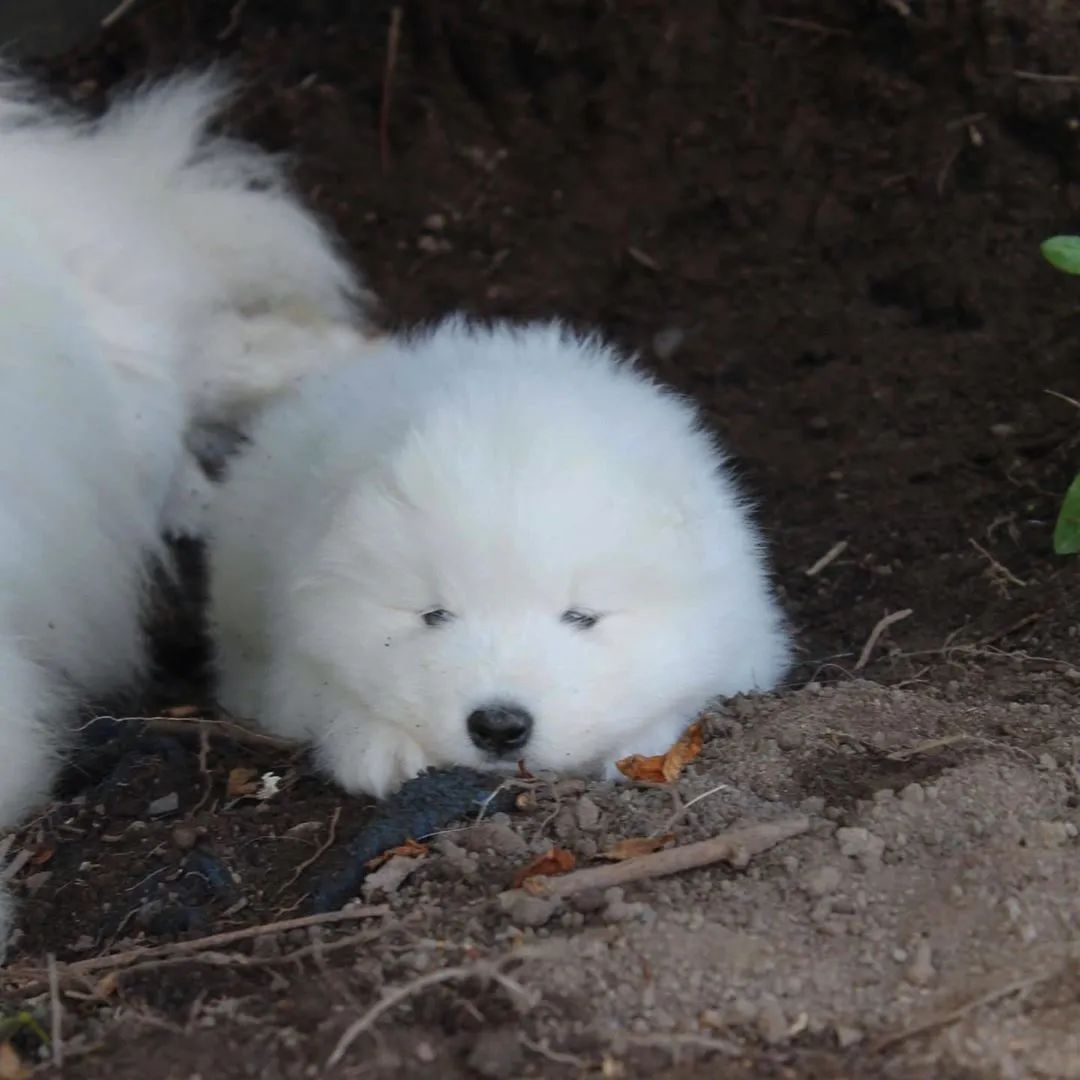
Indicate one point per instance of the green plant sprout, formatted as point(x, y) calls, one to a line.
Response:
point(1063, 253)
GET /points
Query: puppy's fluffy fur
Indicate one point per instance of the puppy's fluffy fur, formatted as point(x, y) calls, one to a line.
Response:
point(140, 260)
point(485, 519)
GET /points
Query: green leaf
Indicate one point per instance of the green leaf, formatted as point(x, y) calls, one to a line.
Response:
point(1067, 530)
point(1063, 252)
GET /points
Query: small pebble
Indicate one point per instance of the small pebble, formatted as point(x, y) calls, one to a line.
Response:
point(824, 880)
point(666, 343)
point(858, 843)
point(185, 837)
point(497, 1054)
point(913, 794)
point(527, 910)
point(922, 972)
point(167, 804)
point(772, 1025)
point(789, 739)
point(587, 814)
point(588, 901)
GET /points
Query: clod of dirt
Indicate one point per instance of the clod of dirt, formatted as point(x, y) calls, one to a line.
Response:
point(497, 1054)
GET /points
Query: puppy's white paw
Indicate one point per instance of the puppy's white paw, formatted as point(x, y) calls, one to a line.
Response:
point(373, 760)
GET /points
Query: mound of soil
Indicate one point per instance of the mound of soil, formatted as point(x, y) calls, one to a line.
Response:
point(823, 224)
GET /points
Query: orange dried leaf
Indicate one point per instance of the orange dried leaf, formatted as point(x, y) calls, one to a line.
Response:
point(664, 768)
point(242, 782)
point(553, 861)
point(636, 846)
point(411, 849)
point(42, 855)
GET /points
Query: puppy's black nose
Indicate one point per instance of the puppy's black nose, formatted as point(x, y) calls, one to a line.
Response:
point(499, 729)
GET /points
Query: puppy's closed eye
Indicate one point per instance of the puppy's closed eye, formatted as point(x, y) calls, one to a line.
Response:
point(437, 617)
point(580, 620)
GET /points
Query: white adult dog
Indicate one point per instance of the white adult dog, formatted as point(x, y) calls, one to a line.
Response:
point(152, 278)
point(482, 545)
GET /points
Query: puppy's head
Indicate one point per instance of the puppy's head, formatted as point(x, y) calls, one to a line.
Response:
point(549, 566)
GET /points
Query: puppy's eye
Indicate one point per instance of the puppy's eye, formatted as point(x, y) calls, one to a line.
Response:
point(580, 620)
point(437, 617)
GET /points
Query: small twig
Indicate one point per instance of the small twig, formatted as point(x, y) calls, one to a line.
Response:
point(643, 258)
point(117, 13)
point(1064, 397)
point(875, 635)
point(113, 961)
point(737, 847)
point(830, 556)
point(390, 998)
point(56, 1013)
point(996, 566)
point(674, 1040)
point(1009, 630)
point(204, 770)
point(945, 1019)
point(235, 14)
point(393, 41)
point(557, 1056)
point(806, 24)
point(228, 730)
point(1038, 76)
point(323, 848)
point(681, 811)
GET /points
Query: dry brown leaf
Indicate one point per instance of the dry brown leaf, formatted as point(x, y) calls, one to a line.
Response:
point(12, 1067)
point(553, 861)
point(183, 712)
point(242, 782)
point(664, 768)
point(42, 855)
point(522, 772)
point(635, 846)
point(411, 849)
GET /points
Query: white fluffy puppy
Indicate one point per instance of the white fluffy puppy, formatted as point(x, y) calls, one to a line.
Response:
point(152, 278)
point(485, 545)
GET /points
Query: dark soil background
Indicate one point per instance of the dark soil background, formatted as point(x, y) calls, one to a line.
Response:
point(822, 220)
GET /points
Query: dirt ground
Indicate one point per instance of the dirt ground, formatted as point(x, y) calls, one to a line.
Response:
point(823, 221)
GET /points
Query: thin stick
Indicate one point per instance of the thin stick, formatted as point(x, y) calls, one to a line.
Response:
point(111, 962)
point(204, 771)
point(323, 848)
point(681, 811)
point(117, 13)
point(737, 847)
point(56, 1012)
point(875, 635)
point(1038, 76)
point(393, 41)
point(394, 997)
point(806, 24)
point(999, 567)
point(831, 555)
point(944, 1020)
point(1064, 397)
point(229, 730)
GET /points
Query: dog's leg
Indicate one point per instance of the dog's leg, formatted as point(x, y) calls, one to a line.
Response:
point(30, 715)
